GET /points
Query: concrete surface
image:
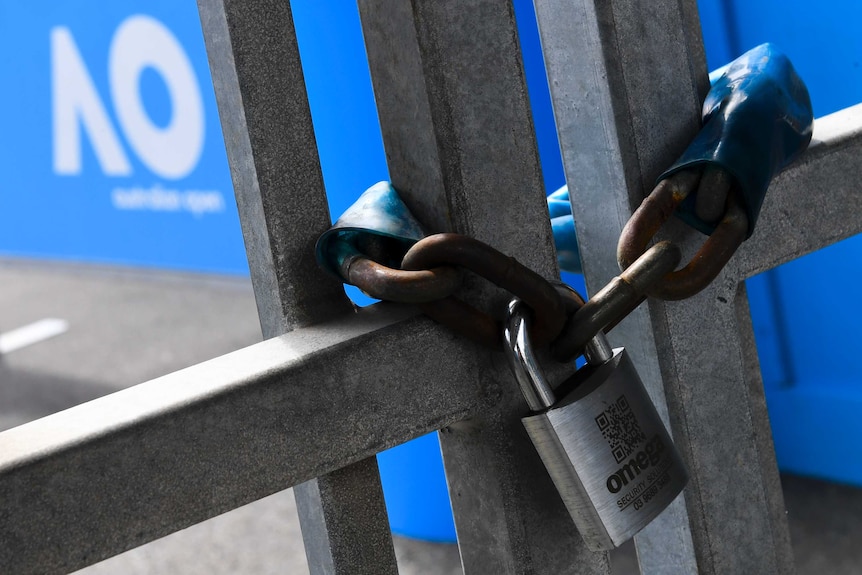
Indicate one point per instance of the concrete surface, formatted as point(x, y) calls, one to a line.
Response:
point(128, 326)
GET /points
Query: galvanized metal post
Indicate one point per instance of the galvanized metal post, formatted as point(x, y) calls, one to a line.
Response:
point(627, 78)
point(271, 147)
point(459, 139)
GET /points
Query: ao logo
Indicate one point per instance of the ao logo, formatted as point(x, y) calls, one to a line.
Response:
point(140, 42)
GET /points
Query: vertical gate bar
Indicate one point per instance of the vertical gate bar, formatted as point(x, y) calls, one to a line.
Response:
point(627, 78)
point(273, 159)
point(762, 432)
point(603, 170)
point(334, 511)
point(266, 121)
point(457, 128)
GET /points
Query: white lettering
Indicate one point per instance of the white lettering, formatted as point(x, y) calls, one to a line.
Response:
point(160, 199)
point(76, 104)
point(200, 202)
point(143, 42)
point(140, 43)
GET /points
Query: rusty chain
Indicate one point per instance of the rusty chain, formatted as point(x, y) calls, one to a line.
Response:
point(429, 273)
point(757, 119)
point(712, 256)
point(502, 270)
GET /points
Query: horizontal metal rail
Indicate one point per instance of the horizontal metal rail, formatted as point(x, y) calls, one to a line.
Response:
point(112, 474)
point(816, 202)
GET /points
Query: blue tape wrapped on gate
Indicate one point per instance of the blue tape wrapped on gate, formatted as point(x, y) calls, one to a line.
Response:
point(378, 224)
point(563, 226)
point(757, 119)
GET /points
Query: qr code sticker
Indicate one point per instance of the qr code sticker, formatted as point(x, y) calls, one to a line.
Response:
point(620, 428)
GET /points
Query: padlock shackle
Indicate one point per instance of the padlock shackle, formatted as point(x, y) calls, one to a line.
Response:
point(522, 359)
point(598, 350)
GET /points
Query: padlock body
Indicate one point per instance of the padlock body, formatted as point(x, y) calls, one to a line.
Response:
point(608, 452)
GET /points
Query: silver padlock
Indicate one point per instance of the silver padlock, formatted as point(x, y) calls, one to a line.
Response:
point(603, 443)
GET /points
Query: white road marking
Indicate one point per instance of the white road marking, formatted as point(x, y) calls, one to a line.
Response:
point(32, 333)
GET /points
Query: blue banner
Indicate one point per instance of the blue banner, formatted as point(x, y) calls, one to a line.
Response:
point(112, 149)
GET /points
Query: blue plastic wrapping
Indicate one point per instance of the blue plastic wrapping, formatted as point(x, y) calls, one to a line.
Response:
point(379, 214)
point(377, 217)
point(757, 118)
point(563, 226)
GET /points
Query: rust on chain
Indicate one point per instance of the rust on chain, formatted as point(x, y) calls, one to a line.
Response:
point(709, 260)
point(572, 300)
point(711, 199)
point(385, 283)
point(615, 301)
point(504, 271)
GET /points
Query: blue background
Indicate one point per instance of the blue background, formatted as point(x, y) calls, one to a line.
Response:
point(72, 217)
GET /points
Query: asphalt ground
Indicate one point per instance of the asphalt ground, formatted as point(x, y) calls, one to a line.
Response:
point(127, 326)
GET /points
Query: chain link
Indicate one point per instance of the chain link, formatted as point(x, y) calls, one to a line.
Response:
point(498, 268)
point(616, 300)
point(402, 286)
point(712, 256)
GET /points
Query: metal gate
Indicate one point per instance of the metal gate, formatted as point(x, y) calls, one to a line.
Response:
point(311, 406)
